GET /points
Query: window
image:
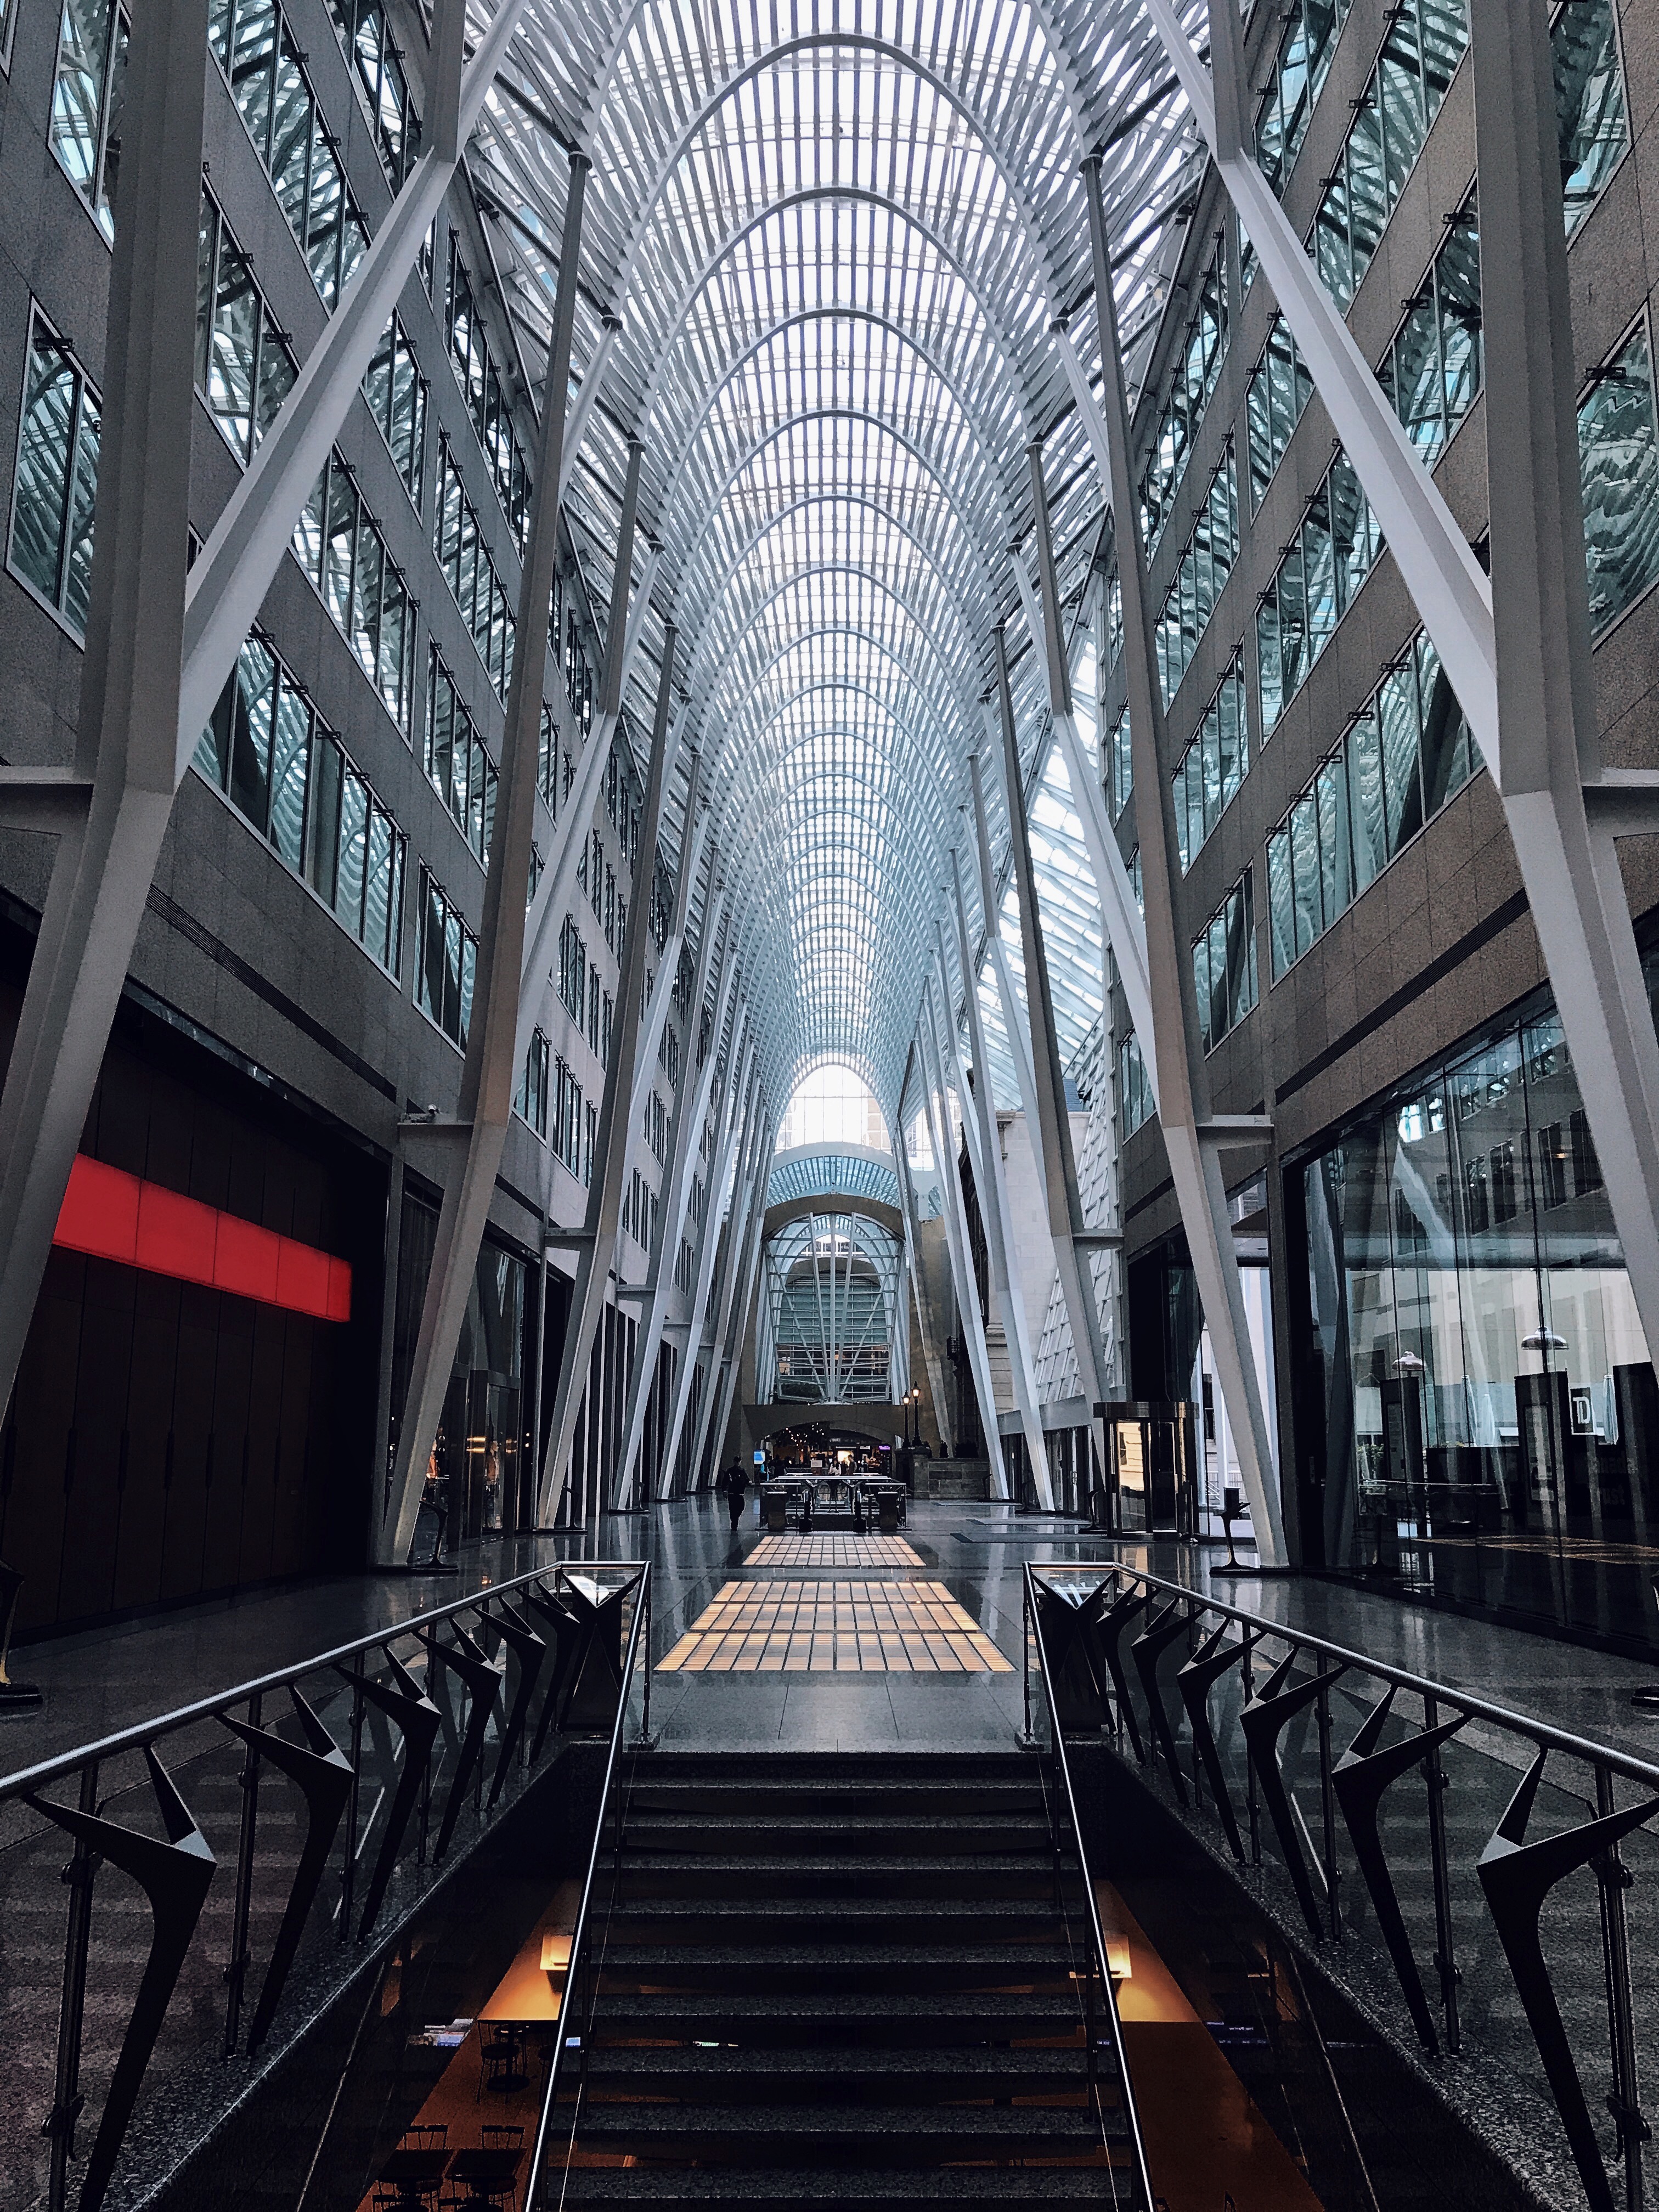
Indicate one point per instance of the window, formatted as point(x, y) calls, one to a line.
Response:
point(1619, 461)
point(396, 393)
point(531, 1103)
point(552, 782)
point(1589, 102)
point(1431, 371)
point(471, 574)
point(245, 367)
point(1403, 757)
point(1205, 567)
point(1300, 68)
point(7, 25)
point(1224, 965)
point(1328, 560)
point(1213, 766)
point(337, 541)
point(486, 398)
point(85, 99)
point(463, 775)
point(1278, 391)
point(376, 62)
point(261, 58)
point(578, 678)
point(572, 968)
point(448, 962)
point(269, 752)
point(596, 875)
point(1114, 599)
point(1197, 368)
point(567, 1132)
point(1421, 49)
point(1120, 770)
point(57, 487)
point(1134, 1092)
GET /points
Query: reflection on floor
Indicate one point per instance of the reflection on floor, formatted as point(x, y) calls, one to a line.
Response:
point(833, 1552)
point(1204, 2133)
point(854, 1627)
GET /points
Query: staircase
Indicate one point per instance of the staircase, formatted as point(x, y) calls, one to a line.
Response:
point(840, 1979)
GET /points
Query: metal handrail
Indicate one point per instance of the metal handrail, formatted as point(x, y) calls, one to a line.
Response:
point(579, 1938)
point(1542, 1733)
point(1034, 1632)
point(142, 1733)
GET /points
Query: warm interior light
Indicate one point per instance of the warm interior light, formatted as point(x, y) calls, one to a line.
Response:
point(1118, 1963)
point(556, 1956)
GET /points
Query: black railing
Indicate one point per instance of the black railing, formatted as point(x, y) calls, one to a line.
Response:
point(387, 1770)
point(555, 2140)
point(1294, 1745)
point(1093, 1977)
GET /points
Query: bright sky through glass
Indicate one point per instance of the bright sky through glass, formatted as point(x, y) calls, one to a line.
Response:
point(841, 239)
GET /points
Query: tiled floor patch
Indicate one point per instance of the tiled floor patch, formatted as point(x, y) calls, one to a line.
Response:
point(842, 1628)
point(833, 1551)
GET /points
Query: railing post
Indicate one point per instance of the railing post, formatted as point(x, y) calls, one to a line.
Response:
point(1613, 1879)
point(1026, 1738)
point(67, 2101)
point(349, 1868)
point(644, 1718)
point(236, 1971)
point(1445, 1961)
point(1327, 1808)
point(1247, 1672)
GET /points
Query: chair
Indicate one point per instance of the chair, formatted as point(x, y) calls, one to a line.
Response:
point(502, 2056)
point(492, 2190)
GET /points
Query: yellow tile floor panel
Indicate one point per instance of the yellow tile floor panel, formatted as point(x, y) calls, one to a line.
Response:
point(833, 1551)
point(840, 1628)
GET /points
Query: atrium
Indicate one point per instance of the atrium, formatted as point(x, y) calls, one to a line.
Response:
point(829, 991)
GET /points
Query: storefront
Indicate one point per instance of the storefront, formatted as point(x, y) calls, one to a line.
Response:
point(476, 1479)
point(1478, 1418)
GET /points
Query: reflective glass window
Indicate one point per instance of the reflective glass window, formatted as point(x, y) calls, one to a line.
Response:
point(55, 491)
point(1618, 457)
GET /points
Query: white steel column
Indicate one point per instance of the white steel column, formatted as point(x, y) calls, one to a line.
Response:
point(1434, 558)
point(739, 1105)
point(1005, 1286)
point(750, 1164)
point(690, 1110)
point(110, 807)
point(926, 1319)
point(477, 1137)
point(1193, 1138)
point(1039, 1065)
point(739, 1298)
point(668, 961)
point(598, 1246)
point(558, 878)
point(969, 1312)
point(1565, 809)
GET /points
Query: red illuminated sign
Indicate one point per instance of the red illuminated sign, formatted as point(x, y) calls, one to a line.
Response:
point(116, 1215)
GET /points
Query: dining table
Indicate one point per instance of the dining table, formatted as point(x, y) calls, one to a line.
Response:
point(415, 2174)
point(488, 2172)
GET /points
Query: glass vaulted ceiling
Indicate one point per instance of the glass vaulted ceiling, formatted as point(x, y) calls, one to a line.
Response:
point(838, 239)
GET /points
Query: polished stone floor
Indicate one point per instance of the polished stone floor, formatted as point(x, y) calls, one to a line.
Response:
point(107, 1679)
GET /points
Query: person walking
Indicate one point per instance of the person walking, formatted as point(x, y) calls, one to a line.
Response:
point(733, 1483)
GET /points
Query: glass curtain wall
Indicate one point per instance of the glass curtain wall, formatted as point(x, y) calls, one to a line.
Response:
point(1490, 1414)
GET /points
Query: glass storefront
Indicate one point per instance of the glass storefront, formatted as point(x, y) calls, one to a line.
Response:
point(479, 1483)
point(1491, 1417)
